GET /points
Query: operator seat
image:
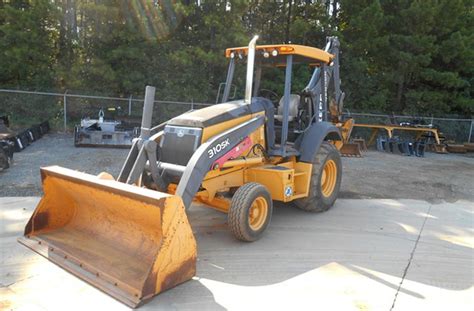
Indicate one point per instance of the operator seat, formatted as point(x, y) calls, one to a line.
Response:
point(293, 111)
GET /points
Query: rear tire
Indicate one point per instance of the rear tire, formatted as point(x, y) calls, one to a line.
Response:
point(325, 181)
point(250, 212)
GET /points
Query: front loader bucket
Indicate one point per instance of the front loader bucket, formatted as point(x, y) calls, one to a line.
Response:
point(130, 242)
point(350, 150)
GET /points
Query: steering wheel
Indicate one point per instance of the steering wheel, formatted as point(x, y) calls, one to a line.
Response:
point(274, 97)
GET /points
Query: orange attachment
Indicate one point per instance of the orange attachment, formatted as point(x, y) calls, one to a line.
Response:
point(350, 150)
point(130, 242)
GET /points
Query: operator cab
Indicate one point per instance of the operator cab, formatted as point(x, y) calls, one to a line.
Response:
point(294, 112)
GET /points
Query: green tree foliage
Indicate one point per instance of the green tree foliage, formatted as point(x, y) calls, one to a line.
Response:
point(27, 56)
point(363, 43)
point(430, 63)
point(193, 62)
point(409, 56)
point(27, 44)
point(402, 56)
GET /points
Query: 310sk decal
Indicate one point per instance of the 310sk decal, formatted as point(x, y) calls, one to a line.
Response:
point(218, 148)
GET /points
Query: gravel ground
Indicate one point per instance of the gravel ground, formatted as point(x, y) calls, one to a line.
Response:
point(434, 178)
point(23, 178)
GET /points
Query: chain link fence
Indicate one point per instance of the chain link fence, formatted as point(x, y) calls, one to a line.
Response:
point(64, 110)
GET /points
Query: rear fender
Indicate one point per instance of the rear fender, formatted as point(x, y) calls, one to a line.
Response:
point(309, 143)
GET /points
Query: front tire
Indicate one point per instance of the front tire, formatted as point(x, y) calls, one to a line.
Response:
point(325, 180)
point(250, 212)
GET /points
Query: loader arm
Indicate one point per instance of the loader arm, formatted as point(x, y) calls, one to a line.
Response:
point(200, 163)
point(191, 175)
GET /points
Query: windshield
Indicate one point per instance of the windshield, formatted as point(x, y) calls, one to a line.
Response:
point(269, 80)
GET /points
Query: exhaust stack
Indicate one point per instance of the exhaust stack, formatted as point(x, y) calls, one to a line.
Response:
point(250, 65)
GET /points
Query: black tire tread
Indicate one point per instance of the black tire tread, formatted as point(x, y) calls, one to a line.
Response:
point(313, 203)
point(237, 215)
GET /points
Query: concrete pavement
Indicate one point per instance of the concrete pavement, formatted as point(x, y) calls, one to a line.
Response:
point(360, 255)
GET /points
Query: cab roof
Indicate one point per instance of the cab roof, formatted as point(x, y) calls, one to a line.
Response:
point(302, 53)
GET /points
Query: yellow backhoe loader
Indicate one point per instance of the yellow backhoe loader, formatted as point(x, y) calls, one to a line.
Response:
point(130, 236)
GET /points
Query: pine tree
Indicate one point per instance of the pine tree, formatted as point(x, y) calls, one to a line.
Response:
point(27, 58)
point(403, 56)
point(27, 44)
point(363, 46)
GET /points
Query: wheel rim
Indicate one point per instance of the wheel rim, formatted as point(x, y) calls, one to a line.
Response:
point(329, 178)
point(258, 213)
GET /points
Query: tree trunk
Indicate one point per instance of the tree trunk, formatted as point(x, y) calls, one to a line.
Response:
point(288, 22)
point(400, 87)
